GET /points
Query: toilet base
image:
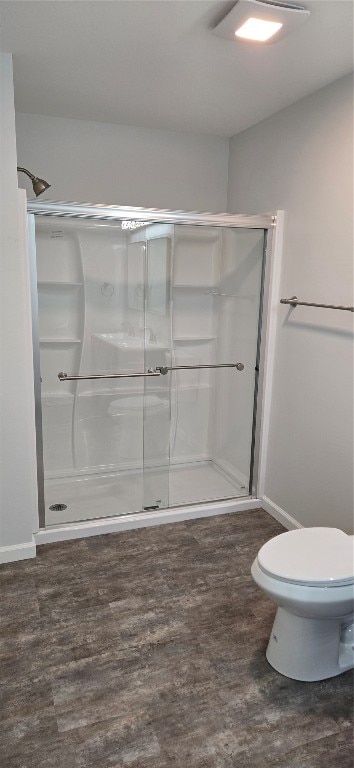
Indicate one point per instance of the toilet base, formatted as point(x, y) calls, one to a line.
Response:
point(310, 649)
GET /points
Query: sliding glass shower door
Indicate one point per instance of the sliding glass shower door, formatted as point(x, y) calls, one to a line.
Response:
point(102, 417)
point(216, 292)
point(149, 340)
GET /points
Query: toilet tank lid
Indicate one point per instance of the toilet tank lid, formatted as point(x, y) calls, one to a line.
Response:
point(312, 556)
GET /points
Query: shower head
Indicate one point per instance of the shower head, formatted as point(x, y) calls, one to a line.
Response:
point(39, 185)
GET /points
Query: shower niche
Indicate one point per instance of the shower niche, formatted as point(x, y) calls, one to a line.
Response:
point(147, 321)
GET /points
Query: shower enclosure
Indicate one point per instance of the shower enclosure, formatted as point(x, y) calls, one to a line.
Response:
point(148, 346)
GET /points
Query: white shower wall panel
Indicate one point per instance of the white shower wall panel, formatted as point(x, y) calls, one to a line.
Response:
point(61, 319)
point(58, 313)
point(196, 271)
point(106, 433)
point(57, 434)
point(196, 256)
point(194, 315)
point(238, 313)
point(196, 352)
point(103, 254)
point(60, 303)
point(111, 432)
point(56, 357)
point(191, 423)
point(57, 251)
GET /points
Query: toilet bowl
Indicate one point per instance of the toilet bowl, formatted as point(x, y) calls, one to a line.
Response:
point(309, 574)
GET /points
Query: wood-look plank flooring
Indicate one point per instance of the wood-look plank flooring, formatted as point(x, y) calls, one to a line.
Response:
point(147, 649)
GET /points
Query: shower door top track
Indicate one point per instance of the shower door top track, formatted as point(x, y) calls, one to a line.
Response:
point(149, 215)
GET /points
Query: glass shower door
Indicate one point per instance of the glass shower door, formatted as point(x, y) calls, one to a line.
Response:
point(216, 295)
point(149, 349)
point(157, 400)
point(104, 327)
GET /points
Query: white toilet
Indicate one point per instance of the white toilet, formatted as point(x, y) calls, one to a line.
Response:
point(309, 573)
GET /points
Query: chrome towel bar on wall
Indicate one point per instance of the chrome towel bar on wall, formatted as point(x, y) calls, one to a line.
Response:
point(294, 302)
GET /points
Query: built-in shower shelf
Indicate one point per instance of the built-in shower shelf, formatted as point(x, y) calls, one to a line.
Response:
point(194, 387)
point(132, 391)
point(60, 341)
point(186, 339)
point(54, 397)
point(57, 284)
point(196, 286)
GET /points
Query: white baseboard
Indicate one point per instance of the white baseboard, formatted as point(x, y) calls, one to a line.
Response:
point(141, 520)
point(18, 552)
point(279, 514)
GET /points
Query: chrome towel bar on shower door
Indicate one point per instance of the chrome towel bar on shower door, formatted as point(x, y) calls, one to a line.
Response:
point(158, 371)
point(74, 377)
point(164, 368)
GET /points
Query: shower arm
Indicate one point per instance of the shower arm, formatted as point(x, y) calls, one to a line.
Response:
point(28, 173)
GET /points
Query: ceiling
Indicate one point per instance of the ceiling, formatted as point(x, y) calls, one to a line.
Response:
point(157, 64)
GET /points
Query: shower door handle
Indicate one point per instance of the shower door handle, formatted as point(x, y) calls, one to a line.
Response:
point(163, 369)
point(74, 377)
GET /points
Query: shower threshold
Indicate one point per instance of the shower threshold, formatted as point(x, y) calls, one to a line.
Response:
point(115, 494)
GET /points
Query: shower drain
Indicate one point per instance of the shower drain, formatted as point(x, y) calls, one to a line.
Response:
point(57, 507)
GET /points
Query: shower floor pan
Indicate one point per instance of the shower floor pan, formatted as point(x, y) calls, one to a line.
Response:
point(107, 495)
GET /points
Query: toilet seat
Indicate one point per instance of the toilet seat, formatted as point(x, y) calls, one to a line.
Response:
point(322, 557)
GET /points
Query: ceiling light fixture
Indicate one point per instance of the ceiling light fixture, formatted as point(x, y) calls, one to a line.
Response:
point(258, 29)
point(259, 21)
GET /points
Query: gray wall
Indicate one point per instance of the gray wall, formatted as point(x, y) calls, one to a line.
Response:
point(301, 160)
point(122, 165)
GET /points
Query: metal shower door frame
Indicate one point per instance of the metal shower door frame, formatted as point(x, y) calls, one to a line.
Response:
point(131, 218)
